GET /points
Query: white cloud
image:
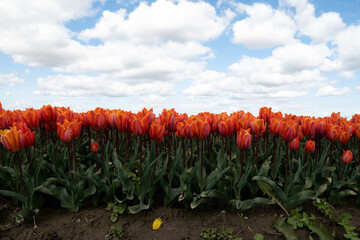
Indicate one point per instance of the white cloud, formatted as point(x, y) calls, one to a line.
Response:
point(161, 21)
point(299, 56)
point(10, 79)
point(358, 88)
point(83, 85)
point(320, 29)
point(33, 32)
point(349, 47)
point(329, 90)
point(140, 62)
point(264, 28)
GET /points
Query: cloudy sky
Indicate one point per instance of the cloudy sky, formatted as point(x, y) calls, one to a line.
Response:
point(296, 56)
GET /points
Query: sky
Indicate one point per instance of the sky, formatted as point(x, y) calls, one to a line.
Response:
point(295, 56)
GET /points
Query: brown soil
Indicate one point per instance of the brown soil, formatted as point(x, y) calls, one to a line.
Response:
point(94, 222)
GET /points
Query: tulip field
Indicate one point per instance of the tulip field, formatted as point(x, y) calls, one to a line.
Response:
point(141, 159)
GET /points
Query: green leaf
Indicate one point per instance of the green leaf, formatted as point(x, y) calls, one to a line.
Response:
point(286, 229)
point(18, 196)
point(321, 231)
point(258, 236)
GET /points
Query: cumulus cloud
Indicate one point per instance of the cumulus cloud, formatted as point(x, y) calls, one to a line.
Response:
point(33, 33)
point(348, 47)
point(329, 90)
point(161, 21)
point(264, 28)
point(10, 79)
point(320, 29)
point(84, 85)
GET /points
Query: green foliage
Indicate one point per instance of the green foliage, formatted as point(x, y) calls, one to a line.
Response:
point(299, 220)
point(117, 210)
point(343, 221)
point(115, 233)
point(214, 234)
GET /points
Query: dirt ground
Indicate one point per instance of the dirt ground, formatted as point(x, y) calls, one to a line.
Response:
point(179, 224)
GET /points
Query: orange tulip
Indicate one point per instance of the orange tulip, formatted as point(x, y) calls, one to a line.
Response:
point(97, 119)
point(4, 121)
point(310, 146)
point(49, 114)
point(288, 130)
point(27, 138)
point(275, 125)
point(201, 129)
point(10, 139)
point(94, 147)
point(68, 131)
point(294, 144)
point(243, 139)
point(333, 132)
point(258, 126)
point(344, 137)
point(156, 132)
point(347, 157)
point(309, 127)
point(140, 126)
point(265, 113)
point(227, 127)
point(169, 119)
point(321, 127)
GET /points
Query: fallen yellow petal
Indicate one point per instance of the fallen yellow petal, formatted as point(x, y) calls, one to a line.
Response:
point(157, 223)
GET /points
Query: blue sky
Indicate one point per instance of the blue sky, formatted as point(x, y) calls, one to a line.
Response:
point(296, 56)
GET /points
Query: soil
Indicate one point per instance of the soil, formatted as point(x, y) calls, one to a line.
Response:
point(178, 224)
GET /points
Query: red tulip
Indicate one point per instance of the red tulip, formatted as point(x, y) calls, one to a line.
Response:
point(309, 127)
point(98, 119)
point(10, 139)
point(94, 147)
point(288, 130)
point(347, 157)
point(201, 129)
point(275, 125)
point(49, 114)
point(310, 146)
point(333, 132)
point(243, 139)
point(294, 144)
point(156, 132)
point(169, 119)
point(258, 126)
point(26, 139)
point(4, 121)
point(344, 137)
point(68, 131)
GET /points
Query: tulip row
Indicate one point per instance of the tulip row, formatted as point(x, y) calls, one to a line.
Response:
point(246, 142)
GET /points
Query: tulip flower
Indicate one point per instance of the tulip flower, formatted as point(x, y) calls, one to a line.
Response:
point(344, 137)
point(94, 147)
point(258, 126)
point(310, 146)
point(156, 132)
point(321, 127)
point(97, 119)
point(169, 119)
point(275, 125)
point(294, 144)
point(288, 130)
point(4, 121)
point(49, 114)
point(309, 128)
point(243, 139)
point(346, 159)
point(10, 139)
